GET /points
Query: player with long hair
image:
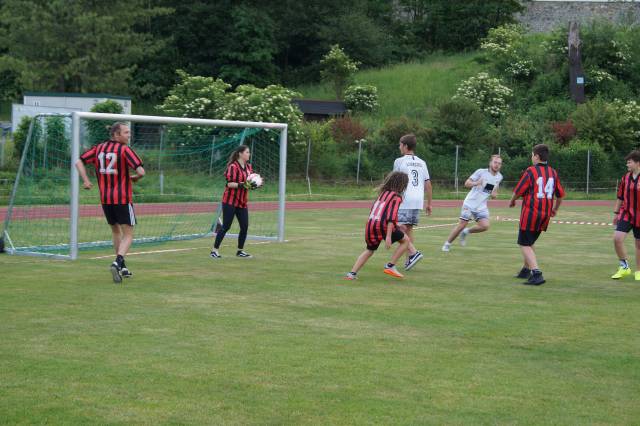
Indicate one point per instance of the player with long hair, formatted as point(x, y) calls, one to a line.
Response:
point(234, 200)
point(383, 226)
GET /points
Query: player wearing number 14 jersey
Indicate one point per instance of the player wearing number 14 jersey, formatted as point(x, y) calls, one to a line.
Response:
point(538, 187)
point(112, 160)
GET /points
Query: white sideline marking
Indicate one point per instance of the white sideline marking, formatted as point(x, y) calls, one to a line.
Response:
point(172, 250)
point(561, 222)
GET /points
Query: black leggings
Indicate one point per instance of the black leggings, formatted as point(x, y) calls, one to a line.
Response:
point(228, 212)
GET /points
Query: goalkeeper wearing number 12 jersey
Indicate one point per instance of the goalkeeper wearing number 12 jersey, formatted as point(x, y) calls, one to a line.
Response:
point(538, 187)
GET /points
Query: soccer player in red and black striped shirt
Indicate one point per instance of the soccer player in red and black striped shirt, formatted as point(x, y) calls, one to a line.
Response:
point(383, 226)
point(112, 160)
point(538, 187)
point(627, 215)
point(234, 199)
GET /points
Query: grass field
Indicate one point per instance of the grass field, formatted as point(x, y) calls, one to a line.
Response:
point(408, 89)
point(283, 339)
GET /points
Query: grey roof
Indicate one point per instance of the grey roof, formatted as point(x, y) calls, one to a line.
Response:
point(319, 107)
point(77, 95)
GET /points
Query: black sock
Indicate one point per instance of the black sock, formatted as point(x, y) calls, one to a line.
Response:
point(536, 271)
point(390, 265)
point(120, 260)
point(353, 273)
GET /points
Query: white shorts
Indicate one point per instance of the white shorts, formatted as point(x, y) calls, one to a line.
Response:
point(467, 214)
point(408, 216)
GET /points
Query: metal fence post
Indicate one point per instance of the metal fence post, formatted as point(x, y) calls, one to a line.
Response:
point(308, 161)
point(359, 155)
point(588, 169)
point(213, 145)
point(456, 168)
point(160, 171)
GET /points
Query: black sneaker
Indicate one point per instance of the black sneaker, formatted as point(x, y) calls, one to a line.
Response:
point(524, 273)
point(126, 273)
point(115, 273)
point(536, 278)
point(243, 254)
point(413, 260)
point(215, 255)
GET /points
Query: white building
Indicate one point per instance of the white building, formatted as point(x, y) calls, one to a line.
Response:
point(34, 103)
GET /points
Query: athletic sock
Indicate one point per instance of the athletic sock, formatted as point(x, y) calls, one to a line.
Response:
point(536, 271)
point(120, 260)
point(353, 273)
point(390, 265)
point(624, 264)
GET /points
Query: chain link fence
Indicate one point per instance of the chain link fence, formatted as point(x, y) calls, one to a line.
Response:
point(586, 173)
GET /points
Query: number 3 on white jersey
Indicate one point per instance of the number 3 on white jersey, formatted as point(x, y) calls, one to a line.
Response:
point(376, 211)
point(546, 190)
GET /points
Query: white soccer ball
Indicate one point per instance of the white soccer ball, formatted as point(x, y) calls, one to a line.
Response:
point(255, 180)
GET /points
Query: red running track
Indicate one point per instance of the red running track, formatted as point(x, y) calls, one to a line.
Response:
point(62, 211)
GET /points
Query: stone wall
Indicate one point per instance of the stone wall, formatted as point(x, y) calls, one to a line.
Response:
point(546, 15)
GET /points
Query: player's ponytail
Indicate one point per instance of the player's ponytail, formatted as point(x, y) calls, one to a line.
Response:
point(395, 182)
point(236, 154)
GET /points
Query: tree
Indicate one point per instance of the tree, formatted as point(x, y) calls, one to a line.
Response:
point(77, 46)
point(338, 69)
point(99, 129)
point(248, 50)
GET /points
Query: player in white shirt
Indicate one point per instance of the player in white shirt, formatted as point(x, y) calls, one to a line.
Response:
point(484, 184)
point(413, 200)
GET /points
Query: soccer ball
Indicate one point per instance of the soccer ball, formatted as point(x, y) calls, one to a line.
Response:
point(255, 180)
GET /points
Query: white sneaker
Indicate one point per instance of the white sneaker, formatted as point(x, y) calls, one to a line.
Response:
point(446, 247)
point(463, 238)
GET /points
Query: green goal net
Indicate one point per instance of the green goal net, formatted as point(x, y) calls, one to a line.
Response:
point(179, 198)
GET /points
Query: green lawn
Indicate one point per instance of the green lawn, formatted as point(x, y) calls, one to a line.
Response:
point(409, 89)
point(282, 339)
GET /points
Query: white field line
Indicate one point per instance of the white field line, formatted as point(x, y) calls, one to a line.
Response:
point(352, 234)
point(138, 253)
point(560, 222)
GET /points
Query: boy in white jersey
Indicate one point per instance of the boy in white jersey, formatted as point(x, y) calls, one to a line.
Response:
point(484, 184)
point(413, 200)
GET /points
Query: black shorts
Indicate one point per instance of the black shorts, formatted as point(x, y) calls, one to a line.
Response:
point(119, 214)
point(395, 237)
point(625, 226)
point(528, 238)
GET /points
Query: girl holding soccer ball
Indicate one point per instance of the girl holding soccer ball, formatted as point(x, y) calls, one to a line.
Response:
point(240, 179)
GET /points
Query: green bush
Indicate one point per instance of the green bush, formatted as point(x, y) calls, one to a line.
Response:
point(99, 129)
point(487, 92)
point(196, 97)
point(600, 122)
point(271, 104)
point(21, 134)
point(361, 98)
point(460, 122)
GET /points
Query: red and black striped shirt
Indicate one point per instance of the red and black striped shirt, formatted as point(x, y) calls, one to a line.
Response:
point(383, 212)
point(112, 161)
point(237, 197)
point(628, 193)
point(538, 187)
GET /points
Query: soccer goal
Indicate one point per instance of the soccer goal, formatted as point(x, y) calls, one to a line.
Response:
point(49, 214)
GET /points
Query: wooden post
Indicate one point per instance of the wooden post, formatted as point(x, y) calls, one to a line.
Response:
point(576, 73)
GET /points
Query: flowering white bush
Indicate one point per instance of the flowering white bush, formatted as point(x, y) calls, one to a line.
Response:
point(596, 75)
point(196, 96)
point(271, 104)
point(361, 97)
point(630, 112)
point(503, 47)
point(487, 92)
point(502, 40)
